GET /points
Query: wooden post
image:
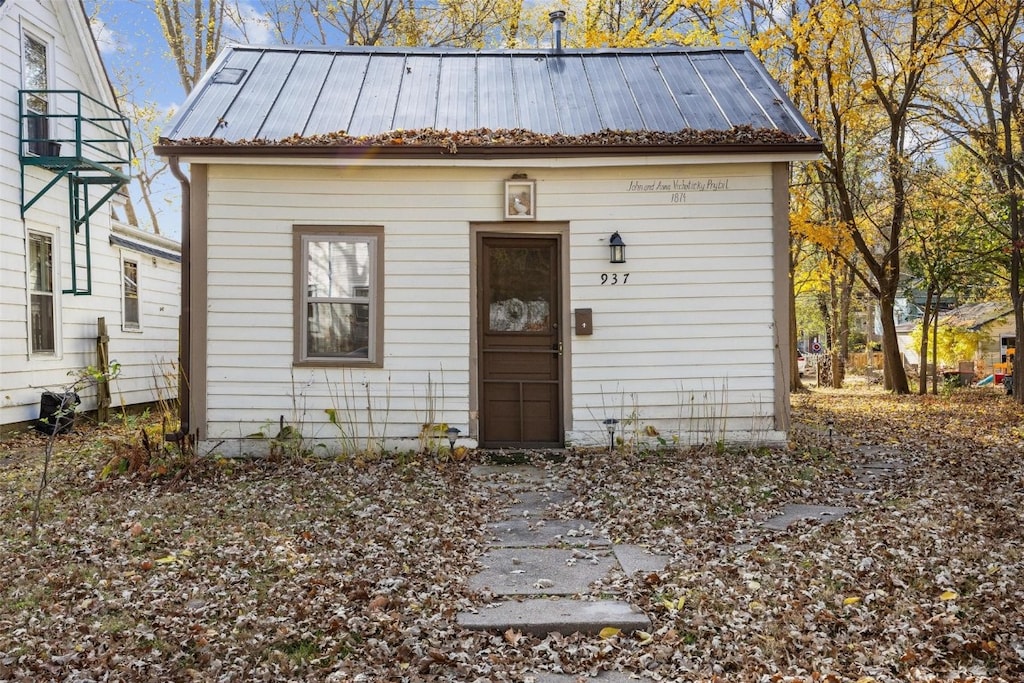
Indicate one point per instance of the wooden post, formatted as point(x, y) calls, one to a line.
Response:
point(103, 360)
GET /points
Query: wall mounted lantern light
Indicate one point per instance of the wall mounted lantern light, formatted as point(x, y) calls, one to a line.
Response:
point(618, 249)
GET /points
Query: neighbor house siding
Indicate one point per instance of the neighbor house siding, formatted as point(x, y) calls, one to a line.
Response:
point(148, 355)
point(22, 375)
point(691, 330)
point(74, 65)
point(42, 24)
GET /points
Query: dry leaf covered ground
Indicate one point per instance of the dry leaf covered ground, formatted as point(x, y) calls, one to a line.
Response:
point(354, 571)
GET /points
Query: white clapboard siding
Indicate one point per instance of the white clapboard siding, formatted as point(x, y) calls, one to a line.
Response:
point(687, 344)
point(145, 354)
point(676, 345)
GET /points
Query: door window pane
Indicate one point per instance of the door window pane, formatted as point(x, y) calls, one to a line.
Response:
point(519, 288)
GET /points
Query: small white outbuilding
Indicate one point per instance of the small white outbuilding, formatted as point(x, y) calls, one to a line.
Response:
point(533, 247)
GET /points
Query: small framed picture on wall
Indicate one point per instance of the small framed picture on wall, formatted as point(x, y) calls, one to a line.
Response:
point(519, 200)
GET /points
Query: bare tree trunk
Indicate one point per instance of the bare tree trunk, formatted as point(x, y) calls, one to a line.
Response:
point(795, 383)
point(922, 380)
point(1012, 171)
point(129, 208)
point(935, 349)
point(146, 187)
point(846, 301)
point(895, 375)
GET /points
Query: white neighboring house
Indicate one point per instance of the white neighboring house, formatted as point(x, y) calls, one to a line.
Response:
point(384, 244)
point(993, 318)
point(68, 257)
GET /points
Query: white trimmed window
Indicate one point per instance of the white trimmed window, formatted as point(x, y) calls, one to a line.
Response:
point(339, 292)
point(35, 75)
point(131, 310)
point(42, 325)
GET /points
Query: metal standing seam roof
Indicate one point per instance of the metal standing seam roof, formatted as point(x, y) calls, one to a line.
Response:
point(273, 93)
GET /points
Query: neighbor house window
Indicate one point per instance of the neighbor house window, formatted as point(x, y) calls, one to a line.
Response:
point(35, 78)
point(132, 321)
point(339, 316)
point(41, 300)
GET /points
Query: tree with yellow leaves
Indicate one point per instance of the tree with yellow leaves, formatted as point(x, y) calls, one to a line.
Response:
point(641, 23)
point(979, 106)
point(811, 53)
point(858, 69)
point(948, 249)
point(193, 33)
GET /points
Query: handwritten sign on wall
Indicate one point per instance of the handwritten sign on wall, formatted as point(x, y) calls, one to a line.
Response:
point(676, 190)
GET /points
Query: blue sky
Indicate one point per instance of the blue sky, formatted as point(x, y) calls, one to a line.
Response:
point(129, 37)
point(136, 57)
point(138, 62)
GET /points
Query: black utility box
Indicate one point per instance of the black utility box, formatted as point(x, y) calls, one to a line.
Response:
point(57, 412)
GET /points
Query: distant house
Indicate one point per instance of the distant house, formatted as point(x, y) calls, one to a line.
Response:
point(69, 258)
point(993, 318)
point(535, 247)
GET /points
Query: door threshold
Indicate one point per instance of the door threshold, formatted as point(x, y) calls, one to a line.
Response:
point(522, 456)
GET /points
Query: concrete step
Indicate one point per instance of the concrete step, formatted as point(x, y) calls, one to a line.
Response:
point(794, 513)
point(542, 571)
point(525, 532)
point(603, 677)
point(537, 504)
point(514, 476)
point(635, 558)
point(541, 616)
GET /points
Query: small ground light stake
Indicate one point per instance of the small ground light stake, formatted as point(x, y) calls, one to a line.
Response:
point(830, 423)
point(609, 424)
point(452, 433)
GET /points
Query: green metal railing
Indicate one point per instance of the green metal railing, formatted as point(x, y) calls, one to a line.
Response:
point(77, 137)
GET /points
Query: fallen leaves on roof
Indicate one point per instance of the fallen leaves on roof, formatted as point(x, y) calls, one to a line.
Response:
point(451, 141)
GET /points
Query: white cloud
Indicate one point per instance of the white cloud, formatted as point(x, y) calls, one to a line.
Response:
point(107, 40)
point(249, 26)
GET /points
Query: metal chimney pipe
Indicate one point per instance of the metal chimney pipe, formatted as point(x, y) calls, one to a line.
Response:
point(557, 17)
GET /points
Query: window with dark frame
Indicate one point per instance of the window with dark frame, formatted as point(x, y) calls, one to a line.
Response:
point(132, 319)
point(341, 301)
point(41, 300)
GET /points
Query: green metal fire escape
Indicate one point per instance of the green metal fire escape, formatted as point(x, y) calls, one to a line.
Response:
point(77, 137)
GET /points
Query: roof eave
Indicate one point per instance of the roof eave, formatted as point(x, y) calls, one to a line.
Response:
point(169, 149)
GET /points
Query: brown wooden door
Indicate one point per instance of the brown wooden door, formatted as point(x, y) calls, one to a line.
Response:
point(520, 341)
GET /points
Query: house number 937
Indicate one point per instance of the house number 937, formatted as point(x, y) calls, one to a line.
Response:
point(614, 279)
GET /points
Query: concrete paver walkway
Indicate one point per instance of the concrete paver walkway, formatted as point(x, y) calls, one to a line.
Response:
point(541, 616)
point(542, 569)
